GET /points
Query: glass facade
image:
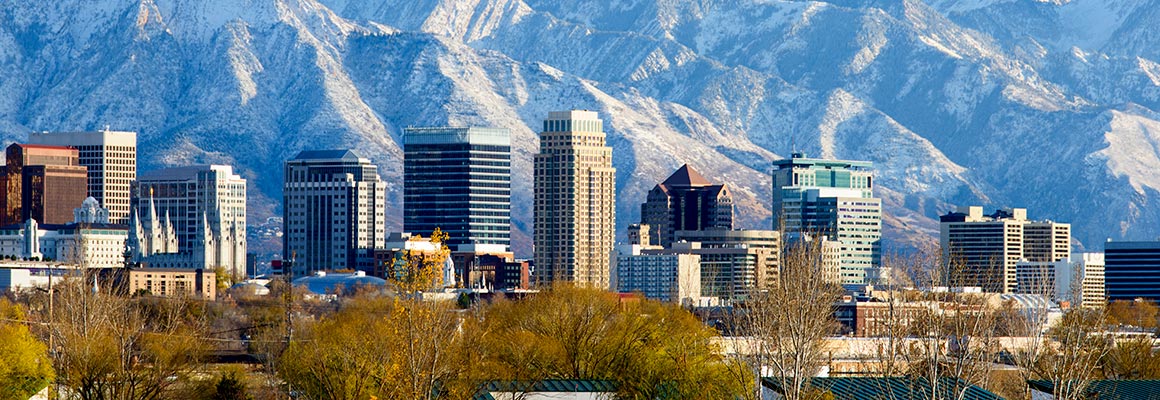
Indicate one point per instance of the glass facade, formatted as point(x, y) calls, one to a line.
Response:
point(834, 198)
point(1132, 270)
point(458, 180)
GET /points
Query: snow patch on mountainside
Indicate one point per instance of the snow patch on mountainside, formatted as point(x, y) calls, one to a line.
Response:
point(1134, 149)
point(963, 102)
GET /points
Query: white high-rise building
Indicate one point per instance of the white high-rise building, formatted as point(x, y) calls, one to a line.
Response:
point(575, 201)
point(1078, 279)
point(674, 277)
point(334, 210)
point(111, 159)
point(206, 207)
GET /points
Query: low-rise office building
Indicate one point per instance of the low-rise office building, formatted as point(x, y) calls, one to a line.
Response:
point(173, 282)
point(666, 277)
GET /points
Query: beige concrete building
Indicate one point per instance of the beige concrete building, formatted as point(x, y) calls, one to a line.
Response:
point(985, 250)
point(111, 159)
point(333, 210)
point(575, 201)
point(174, 282)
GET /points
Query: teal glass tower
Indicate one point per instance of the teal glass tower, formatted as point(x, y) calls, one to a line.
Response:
point(833, 198)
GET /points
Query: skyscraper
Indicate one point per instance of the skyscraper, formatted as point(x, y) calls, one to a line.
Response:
point(833, 198)
point(686, 201)
point(41, 182)
point(459, 180)
point(111, 159)
point(1132, 270)
point(575, 202)
point(985, 250)
point(334, 210)
point(206, 207)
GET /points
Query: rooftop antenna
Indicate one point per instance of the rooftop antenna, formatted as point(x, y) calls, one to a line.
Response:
point(792, 142)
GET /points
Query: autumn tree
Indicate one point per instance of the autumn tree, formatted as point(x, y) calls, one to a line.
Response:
point(950, 339)
point(418, 268)
point(652, 349)
point(1066, 351)
point(24, 364)
point(790, 321)
point(1132, 358)
point(1139, 313)
point(382, 347)
point(1072, 359)
point(112, 347)
point(336, 358)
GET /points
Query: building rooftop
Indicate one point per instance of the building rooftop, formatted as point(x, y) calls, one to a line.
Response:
point(544, 386)
point(70, 226)
point(43, 146)
point(331, 283)
point(457, 135)
point(185, 173)
point(1132, 245)
point(686, 176)
point(345, 154)
point(1111, 389)
point(876, 388)
point(572, 115)
point(800, 160)
point(86, 138)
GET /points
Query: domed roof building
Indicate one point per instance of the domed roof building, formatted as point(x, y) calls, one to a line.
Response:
point(323, 283)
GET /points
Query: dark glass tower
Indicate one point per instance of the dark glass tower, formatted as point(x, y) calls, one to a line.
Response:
point(459, 180)
point(1132, 270)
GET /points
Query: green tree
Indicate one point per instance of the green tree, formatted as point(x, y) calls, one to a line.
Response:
point(230, 387)
point(24, 364)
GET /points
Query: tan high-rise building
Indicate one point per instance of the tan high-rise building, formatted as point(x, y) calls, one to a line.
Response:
point(575, 201)
point(44, 183)
point(986, 249)
point(111, 159)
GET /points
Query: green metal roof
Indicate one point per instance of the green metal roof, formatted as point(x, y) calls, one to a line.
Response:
point(874, 388)
point(545, 386)
point(1122, 389)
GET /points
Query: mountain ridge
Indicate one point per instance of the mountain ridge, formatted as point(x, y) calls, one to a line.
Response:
point(955, 103)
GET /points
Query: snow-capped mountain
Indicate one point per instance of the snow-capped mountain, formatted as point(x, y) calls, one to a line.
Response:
point(1048, 105)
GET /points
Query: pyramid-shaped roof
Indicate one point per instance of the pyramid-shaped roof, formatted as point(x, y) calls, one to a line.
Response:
point(344, 154)
point(686, 176)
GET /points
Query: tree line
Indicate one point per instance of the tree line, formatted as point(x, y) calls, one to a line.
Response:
point(91, 344)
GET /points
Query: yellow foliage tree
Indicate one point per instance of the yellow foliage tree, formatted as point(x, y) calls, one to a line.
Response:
point(121, 348)
point(420, 269)
point(378, 347)
point(652, 350)
point(24, 364)
point(1140, 313)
